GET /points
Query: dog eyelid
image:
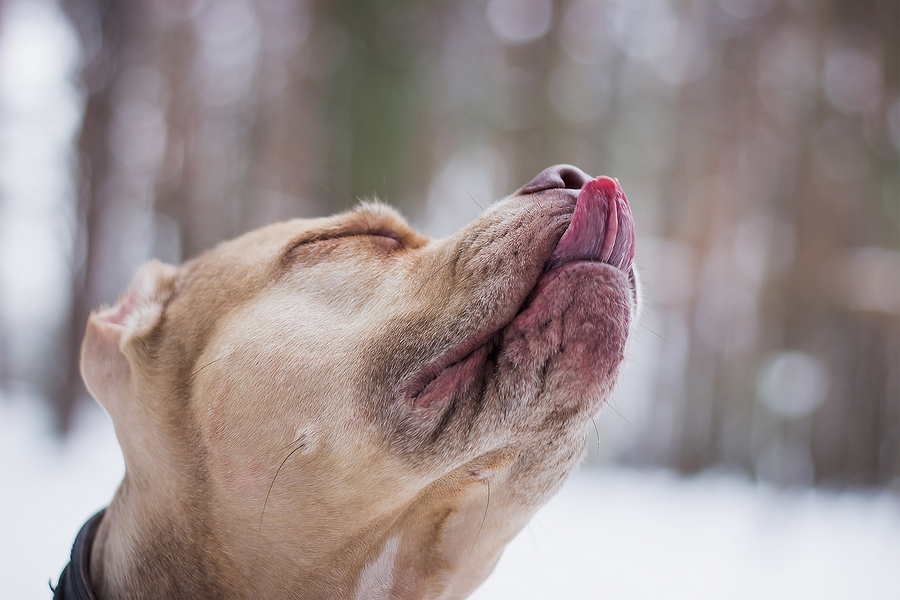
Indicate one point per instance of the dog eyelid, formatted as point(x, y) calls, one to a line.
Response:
point(315, 238)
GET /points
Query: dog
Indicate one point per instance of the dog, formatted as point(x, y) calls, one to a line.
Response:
point(344, 408)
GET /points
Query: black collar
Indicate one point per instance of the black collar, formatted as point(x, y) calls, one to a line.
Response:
point(75, 580)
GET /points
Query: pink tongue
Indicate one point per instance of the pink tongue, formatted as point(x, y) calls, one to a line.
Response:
point(602, 228)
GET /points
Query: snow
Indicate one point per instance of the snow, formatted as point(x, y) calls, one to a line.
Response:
point(49, 489)
point(611, 533)
point(630, 534)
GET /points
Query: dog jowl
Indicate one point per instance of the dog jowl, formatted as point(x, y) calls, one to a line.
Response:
point(345, 408)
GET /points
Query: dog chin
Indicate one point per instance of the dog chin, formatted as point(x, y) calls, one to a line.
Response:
point(573, 331)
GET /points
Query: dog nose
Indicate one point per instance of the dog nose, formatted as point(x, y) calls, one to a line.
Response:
point(557, 176)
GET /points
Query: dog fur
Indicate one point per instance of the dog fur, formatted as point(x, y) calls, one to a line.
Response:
point(344, 408)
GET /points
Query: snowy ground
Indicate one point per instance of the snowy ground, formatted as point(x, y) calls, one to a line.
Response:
point(615, 534)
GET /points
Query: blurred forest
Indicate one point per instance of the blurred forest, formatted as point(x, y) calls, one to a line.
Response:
point(757, 142)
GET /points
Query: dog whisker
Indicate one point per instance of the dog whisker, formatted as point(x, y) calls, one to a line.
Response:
point(436, 271)
point(616, 410)
point(537, 551)
point(654, 333)
point(349, 204)
point(550, 537)
point(356, 198)
point(474, 200)
point(487, 505)
point(185, 382)
point(271, 485)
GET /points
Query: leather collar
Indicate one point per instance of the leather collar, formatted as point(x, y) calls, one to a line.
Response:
point(75, 580)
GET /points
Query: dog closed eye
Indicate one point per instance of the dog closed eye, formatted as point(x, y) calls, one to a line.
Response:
point(370, 223)
point(385, 237)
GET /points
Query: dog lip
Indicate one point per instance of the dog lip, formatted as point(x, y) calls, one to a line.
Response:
point(454, 367)
point(450, 377)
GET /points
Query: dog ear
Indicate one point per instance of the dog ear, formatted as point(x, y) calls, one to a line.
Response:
point(112, 332)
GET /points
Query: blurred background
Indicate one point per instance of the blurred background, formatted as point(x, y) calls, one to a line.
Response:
point(757, 142)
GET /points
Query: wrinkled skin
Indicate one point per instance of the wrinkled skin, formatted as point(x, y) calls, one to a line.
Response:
point(344, 408)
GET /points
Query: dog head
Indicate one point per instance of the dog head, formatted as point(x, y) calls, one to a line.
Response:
point(343, 407)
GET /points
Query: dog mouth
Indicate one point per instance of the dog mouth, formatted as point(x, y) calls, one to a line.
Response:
point(602, 228)
point(601, 234)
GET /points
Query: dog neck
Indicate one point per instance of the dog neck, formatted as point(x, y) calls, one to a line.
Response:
point(430, 548)
point(142, 551)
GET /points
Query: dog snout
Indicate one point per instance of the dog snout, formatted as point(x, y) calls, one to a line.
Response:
point(557, 177)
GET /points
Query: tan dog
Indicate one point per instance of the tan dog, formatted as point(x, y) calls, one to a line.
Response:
point(344, 408)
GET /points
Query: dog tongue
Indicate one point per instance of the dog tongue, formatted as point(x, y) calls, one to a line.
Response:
point(602, 227)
